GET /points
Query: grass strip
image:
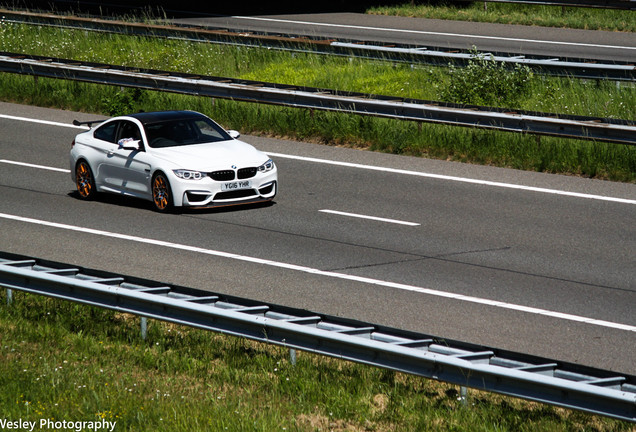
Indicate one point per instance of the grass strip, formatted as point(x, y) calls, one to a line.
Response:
point(560, 95)
point(67, 362)
point(518, 14)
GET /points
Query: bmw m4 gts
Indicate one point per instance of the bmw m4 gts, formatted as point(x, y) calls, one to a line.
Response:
point(172, 158)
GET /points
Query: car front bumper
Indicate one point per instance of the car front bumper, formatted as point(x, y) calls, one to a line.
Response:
point(210, 193)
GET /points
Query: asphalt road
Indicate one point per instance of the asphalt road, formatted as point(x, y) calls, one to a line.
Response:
point(446, 34)
point(537, 263)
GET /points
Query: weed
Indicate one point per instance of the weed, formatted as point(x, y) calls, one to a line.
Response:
point(485, 81)
point(123, 102)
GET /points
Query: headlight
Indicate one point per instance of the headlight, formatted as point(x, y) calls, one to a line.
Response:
point(189, 174)
point(267, 166)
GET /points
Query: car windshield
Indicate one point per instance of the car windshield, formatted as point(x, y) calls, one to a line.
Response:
point(183, 132)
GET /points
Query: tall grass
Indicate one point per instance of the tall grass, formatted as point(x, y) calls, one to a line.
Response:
point(68, 362)
point(558, 95)
point(502, 13)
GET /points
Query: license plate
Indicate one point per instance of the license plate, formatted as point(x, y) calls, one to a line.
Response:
point(235, 185)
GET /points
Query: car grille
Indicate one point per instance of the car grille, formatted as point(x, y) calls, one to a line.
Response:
point(245, 173)
point(224, 175)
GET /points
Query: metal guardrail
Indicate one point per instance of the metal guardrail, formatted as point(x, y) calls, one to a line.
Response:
point(514, 374)
point(564, 67)
point(565, 126)
point(436, 56)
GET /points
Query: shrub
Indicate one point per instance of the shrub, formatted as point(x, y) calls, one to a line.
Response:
point(125, 101)
point(487, 82)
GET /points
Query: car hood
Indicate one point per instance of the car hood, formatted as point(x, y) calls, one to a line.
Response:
point(212, 156)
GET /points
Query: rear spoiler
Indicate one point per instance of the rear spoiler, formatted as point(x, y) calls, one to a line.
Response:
point(90, 123)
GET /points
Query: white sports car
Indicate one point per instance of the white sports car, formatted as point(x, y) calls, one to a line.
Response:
point(172, 158)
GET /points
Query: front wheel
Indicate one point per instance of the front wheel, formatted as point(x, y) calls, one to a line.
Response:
point(161, 193)
point(84, 181)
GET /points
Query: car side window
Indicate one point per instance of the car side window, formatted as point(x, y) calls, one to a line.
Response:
point(107, 132)
point(129, 130)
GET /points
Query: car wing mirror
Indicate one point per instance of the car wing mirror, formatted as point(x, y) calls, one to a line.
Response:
point(234, 134)
point(128, 144)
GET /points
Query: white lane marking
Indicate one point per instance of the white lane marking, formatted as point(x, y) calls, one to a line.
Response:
point(318, 272)
point(398, 171)
point(35, 166)
point(46, 122)
point(471, 37)
point(394, 221)
point(457, 179)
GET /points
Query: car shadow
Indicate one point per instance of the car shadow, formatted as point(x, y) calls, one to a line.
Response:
point(225, 209)
point(140, 204)
point(119, 200)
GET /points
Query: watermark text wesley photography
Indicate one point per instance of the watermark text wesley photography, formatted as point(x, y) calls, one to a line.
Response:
point(61, 425)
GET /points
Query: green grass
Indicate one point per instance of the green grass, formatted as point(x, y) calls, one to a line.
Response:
point(566, 96)
point(502, 13)
point(68, 362)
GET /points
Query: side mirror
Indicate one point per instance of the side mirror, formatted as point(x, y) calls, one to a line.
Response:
point(234, 134)
point(128, 144)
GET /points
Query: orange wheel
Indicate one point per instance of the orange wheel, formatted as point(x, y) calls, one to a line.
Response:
point(161, 194)
point(84, 181)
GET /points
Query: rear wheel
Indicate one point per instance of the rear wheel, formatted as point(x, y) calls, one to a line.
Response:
point(161, 193)
point(84, 181)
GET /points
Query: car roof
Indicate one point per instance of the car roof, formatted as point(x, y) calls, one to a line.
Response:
point(147, 118)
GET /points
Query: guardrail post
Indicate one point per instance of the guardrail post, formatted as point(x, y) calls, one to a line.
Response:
point(144, 327)
point(292, 356)
point(463, 395)
point(9, 297)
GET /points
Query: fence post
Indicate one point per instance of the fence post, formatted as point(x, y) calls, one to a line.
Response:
point(144, 327)
point(463, 395)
